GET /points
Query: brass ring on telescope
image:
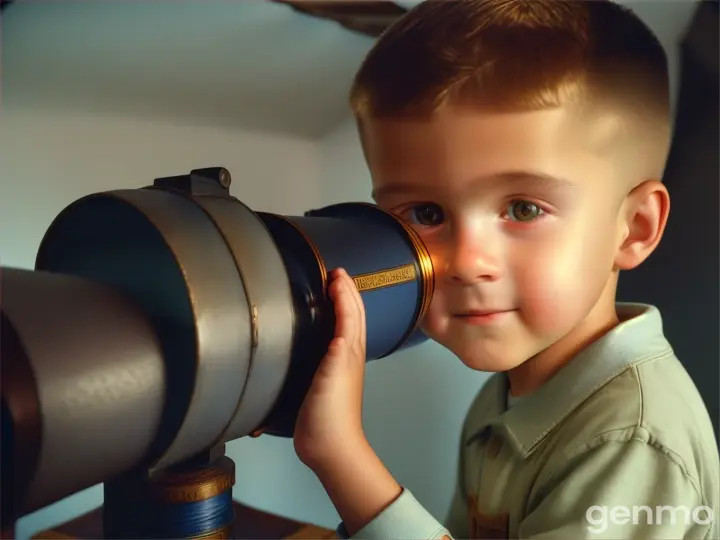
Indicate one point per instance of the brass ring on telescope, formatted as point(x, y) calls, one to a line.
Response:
point(194, 492)
point(426, 267)
point(194, 486)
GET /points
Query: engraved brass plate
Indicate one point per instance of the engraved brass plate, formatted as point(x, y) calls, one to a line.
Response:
point(385, 278)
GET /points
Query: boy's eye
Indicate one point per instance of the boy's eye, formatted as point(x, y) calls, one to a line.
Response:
point(523, 211)
point(428, 214)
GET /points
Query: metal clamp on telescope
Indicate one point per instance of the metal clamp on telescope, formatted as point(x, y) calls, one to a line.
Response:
point(162, 322)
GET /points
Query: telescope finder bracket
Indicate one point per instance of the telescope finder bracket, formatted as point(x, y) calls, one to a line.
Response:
point(210, 181)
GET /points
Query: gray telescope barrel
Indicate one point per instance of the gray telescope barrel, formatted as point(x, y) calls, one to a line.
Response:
point(270, 309)
point(83, 382)
point(211, 280)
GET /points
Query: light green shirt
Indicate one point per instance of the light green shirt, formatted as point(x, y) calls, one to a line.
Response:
point(617, 445)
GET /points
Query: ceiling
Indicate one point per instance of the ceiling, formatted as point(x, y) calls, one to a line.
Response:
point(274, 65)
point(253, 64)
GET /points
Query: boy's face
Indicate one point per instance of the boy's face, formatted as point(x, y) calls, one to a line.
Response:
point(521, 216)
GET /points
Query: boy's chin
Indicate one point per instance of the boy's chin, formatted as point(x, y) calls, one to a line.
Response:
point(497, 359)
point(491, 365)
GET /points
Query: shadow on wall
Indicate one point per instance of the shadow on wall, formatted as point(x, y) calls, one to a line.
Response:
point(681, 277)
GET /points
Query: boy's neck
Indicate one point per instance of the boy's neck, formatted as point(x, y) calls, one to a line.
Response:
point(533, 373)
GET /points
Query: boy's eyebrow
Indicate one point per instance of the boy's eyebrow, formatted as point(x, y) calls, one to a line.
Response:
point(536, 179)
point(520, 179)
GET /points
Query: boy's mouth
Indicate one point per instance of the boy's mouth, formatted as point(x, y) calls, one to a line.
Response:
point(482, 316)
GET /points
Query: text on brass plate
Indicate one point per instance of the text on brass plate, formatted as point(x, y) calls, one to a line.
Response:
point(385, 278)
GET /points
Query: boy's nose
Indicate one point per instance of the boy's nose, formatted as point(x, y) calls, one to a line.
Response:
point(468, 265)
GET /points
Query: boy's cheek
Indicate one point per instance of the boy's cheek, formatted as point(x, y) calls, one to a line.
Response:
point(555, 297)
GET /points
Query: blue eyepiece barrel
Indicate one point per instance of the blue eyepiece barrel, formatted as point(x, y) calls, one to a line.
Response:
point(391, 268)
point(389, 264)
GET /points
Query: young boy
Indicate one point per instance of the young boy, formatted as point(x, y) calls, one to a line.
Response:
point(525, 141)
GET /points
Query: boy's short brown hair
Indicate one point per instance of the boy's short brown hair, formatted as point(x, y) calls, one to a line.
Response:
point(519, 55)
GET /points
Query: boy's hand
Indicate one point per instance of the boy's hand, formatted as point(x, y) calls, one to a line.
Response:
point(329, 423)
point(329, 436)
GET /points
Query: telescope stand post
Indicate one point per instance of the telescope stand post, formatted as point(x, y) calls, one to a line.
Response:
point(192, 499)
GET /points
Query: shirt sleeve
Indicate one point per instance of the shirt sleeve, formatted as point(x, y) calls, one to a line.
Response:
point(404, 519)
point(621, 487)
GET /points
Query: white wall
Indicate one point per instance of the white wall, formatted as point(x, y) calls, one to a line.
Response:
point(49, 158)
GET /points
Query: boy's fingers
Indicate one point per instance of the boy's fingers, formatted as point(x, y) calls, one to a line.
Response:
point(360, 309)
point(349, 311)
point(345, 311)
point(340, 320)
point(356, 317)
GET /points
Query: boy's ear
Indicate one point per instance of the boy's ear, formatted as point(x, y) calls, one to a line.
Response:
point(646, 214)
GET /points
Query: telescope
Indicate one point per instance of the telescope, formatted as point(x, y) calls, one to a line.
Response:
point(160, 323)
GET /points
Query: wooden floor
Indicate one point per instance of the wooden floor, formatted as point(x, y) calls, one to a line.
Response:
point(249, 524)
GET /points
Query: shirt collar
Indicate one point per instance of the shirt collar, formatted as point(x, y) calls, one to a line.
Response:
point(638, 337)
